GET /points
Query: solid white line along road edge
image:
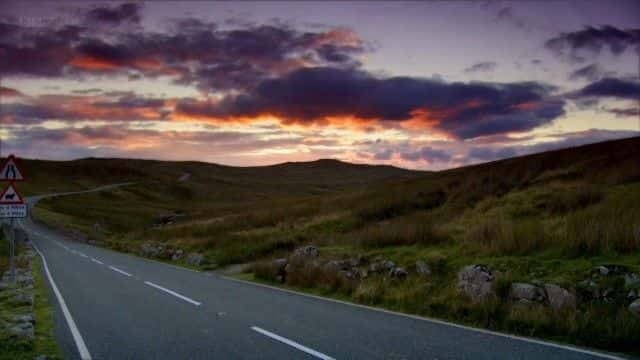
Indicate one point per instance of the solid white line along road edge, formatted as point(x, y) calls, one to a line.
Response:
point(292, 343)
point(120, 271)
point(75, 333)
point(196, 303)
point(434, 321)
point(97, 261)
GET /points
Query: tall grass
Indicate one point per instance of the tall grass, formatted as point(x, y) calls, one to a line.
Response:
point(504, 236)
point(401, 232)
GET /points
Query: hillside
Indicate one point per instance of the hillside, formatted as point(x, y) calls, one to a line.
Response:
point(549, 218)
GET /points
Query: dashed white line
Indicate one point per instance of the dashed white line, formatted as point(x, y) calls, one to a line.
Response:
point(97, 261)
point(75, 333)
point(196, 303)
point(292, 343)
point(120, 271)
point(83, 255)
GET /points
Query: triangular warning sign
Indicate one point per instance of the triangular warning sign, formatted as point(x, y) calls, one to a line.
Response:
point(10, 196)
point(10, 170)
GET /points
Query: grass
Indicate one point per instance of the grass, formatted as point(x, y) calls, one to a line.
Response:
point(549, 217)
point(44, 342)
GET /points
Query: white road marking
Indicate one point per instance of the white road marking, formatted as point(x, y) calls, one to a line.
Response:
point(97, 261)
point(292, 343)
point(120, 271)
point(83, 255)
point(435, 321)
point(196, 303)
point(75, 333)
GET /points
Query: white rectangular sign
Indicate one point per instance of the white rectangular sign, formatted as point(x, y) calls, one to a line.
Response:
point(13, 210)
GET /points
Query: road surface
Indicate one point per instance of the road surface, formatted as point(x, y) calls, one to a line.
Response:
point(109, 305)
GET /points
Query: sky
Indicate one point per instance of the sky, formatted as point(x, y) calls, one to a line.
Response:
point(420, 85)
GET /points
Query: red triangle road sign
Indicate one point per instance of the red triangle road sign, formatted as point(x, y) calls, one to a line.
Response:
point(11, 196)
point(10, 170)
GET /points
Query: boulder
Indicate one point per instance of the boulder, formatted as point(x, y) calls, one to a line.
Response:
point(22, 331)
point(150, 250)
point(398, 273)
point(304, 254)
point(280, 264)
point(559, 298)
point(422, 268)
point(25, 280)
point(355, 261)
point(195, 259)
point(476, 282)
point(634, 307)
point(376, 267)
point(28, 318)
point(177, 255)
point(333, 266)
point(631, 279)
point(389, 265)
point(526, 292)
point(22, 299)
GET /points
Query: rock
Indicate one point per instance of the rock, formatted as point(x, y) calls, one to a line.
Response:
point(332, 266)
point(195, 259)
point(634, 307)
point(24, 319)
point(560, 298)
point(355, 261)
point(361, 273)
point(398, 273)
point(388, 265)
point(280, 264)
point(40, 357)
point(606, 270)
point(376, 267)
point(526, 292)
point(422, 268)
point(632, 295)
point(150, 250)
point(631, 279)
point(25, 280)
point(476, 282)
point(23, 331)
point(177, 255)
point(304, 254)
point(22, 299)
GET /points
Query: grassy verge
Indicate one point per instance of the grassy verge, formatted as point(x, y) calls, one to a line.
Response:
point(44, 342)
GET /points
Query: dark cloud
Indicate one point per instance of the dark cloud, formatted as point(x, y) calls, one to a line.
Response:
point(385, 154)
point(612, 88)
point(594, 40)
point(78, 108)
point(124, 13)
point(623, 112)
point(191, 52)
point(427, 154)
point(465, 110)
point(481, 67)
point(591, 72)
point(9, 92)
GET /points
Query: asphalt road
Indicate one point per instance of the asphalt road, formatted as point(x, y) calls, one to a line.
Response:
point(109, 305)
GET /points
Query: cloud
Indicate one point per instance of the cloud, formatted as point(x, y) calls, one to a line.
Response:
point(481, 67)
point(9, 92)
point(190, 52)
point(490, 154)
point(124, 13)
point(623, 112)
point(127, 107)
point(593, 41)
point(591, 72)
point(427, 154)
point(610, 88)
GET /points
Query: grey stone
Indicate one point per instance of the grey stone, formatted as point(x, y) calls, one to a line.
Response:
point(195, 259)
point(355, 261)
point(332, 266)
point(631, 279)
point(22, 299)
point(304, 254)
point(376, 267)
point(632, 294)
point(24, 319)
point(422, 268)
point(398, 273)
point(25, 280)
point(528, 292)
point(40, 357)
point(476, 282)
point(634, 307)
point(560, 298)
point(389, 265)
point(22, 332)
point(280, 264)
point(150, 250)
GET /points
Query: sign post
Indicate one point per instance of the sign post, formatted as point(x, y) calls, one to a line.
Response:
point(12, 206)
